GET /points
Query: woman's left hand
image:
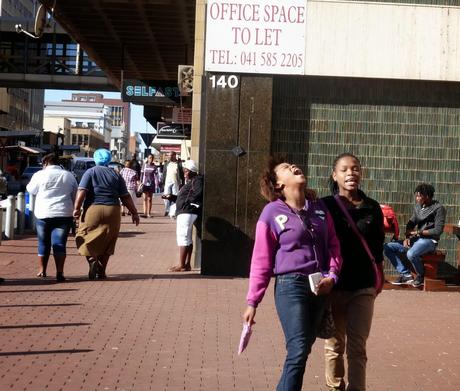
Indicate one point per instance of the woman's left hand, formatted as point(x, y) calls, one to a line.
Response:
point(135, 217)
point(325, 286)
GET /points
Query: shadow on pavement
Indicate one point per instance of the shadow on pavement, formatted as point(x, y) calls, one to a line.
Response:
point(41, 325)
point(40, 305)
point(33, 352)
point(39, 290)
point(30, 282)
point(128, 234)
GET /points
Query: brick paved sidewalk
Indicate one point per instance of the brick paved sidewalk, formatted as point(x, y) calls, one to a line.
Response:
point(148, 329)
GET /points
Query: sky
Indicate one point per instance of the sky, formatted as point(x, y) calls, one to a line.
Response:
point(138, 122)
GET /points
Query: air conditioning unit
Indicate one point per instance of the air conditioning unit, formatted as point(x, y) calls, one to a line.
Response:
point(185, 79)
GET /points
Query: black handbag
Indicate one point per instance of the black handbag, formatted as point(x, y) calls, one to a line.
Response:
point(139, 190)
point(326, 327)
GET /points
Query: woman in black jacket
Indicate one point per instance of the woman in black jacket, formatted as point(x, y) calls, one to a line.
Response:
point(189, 203)
point(361, 277)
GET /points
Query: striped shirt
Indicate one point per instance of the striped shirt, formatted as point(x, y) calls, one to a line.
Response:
point(130, 177)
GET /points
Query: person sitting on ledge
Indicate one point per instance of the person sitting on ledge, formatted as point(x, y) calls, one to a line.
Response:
point(423, 231)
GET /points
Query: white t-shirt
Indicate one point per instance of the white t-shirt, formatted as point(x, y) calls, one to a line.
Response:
point(55, 190)
point(172, 174)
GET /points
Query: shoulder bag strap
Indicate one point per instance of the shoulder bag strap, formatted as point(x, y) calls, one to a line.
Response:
point(354, 227)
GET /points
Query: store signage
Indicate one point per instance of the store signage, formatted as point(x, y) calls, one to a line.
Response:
point(149, 91)
point(170, 148)
point(167, 130)
point(256, 36)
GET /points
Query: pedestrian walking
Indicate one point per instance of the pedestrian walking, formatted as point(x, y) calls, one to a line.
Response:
point(131, 180)
point(99, 193)
point(295, 237)
point(358, 222)
point(148, 173)
point(55, 190)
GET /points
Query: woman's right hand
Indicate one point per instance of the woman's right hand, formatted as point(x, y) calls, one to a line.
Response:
point(76, 213)
point(249, 315)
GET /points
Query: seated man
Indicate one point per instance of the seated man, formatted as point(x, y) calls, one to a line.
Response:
point(423, 231)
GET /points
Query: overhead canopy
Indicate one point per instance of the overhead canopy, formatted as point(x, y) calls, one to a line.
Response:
point(31, 150)
point(144, 39)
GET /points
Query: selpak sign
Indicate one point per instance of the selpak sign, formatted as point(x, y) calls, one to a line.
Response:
point(255, 36)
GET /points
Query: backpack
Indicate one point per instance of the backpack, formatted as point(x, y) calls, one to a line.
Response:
point(390, 220)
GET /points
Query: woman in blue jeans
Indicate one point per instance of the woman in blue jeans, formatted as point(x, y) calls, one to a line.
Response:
point(295, 237)
point(55, 190)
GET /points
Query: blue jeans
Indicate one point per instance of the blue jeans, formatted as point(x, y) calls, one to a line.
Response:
point(300, 312)
point(53, 232)
point(414, 255)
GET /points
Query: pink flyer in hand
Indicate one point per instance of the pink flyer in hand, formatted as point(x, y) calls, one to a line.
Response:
point(245, 335)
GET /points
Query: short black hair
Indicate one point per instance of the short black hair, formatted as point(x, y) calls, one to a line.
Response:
point(425, 189)
point(50, 159)
point(333, 186)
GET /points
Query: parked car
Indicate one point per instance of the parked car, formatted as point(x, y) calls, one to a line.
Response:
point(27, 175)
point(80, 165)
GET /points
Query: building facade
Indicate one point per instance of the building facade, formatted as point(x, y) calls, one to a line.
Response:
point(21, 110)
point(88, 139)
point(121, 114)
point(90, 115)
point(377, 79)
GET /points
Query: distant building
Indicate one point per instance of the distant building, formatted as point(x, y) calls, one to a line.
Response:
point(88, 139)
point(58, 125)
point(134, 150)
point(89, 115)
point(21, 109)
point(120, 112)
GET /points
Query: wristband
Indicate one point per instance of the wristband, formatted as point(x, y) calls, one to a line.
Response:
point(332, 275)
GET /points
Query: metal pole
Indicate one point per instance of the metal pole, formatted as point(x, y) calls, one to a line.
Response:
point(1, 224)
point(9, 222)
point(31, 211)
point(21, 205)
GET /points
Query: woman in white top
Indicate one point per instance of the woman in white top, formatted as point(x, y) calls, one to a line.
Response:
point(55, 190)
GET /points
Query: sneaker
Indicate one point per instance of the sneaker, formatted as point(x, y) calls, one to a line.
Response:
point(401, 280)
point(418, 282)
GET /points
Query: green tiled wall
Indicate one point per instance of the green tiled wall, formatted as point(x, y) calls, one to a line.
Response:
point(404, 133)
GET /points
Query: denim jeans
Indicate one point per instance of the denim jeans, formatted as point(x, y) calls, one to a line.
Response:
point(299, 311)
point(52, 233)
point(414, 254)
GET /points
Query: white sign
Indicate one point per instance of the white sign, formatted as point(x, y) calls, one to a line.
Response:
point(256, 36)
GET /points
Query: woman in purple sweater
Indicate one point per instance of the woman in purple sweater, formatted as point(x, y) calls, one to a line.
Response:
point(295, 237)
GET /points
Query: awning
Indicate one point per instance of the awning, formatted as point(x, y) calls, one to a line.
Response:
point(69, 148)
point(32, 150)
point(19, 133)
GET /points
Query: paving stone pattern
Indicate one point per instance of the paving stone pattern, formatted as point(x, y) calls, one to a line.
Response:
point(148, 329)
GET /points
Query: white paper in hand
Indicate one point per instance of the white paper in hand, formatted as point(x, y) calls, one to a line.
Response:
point(245, 335)
point(314, 279)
